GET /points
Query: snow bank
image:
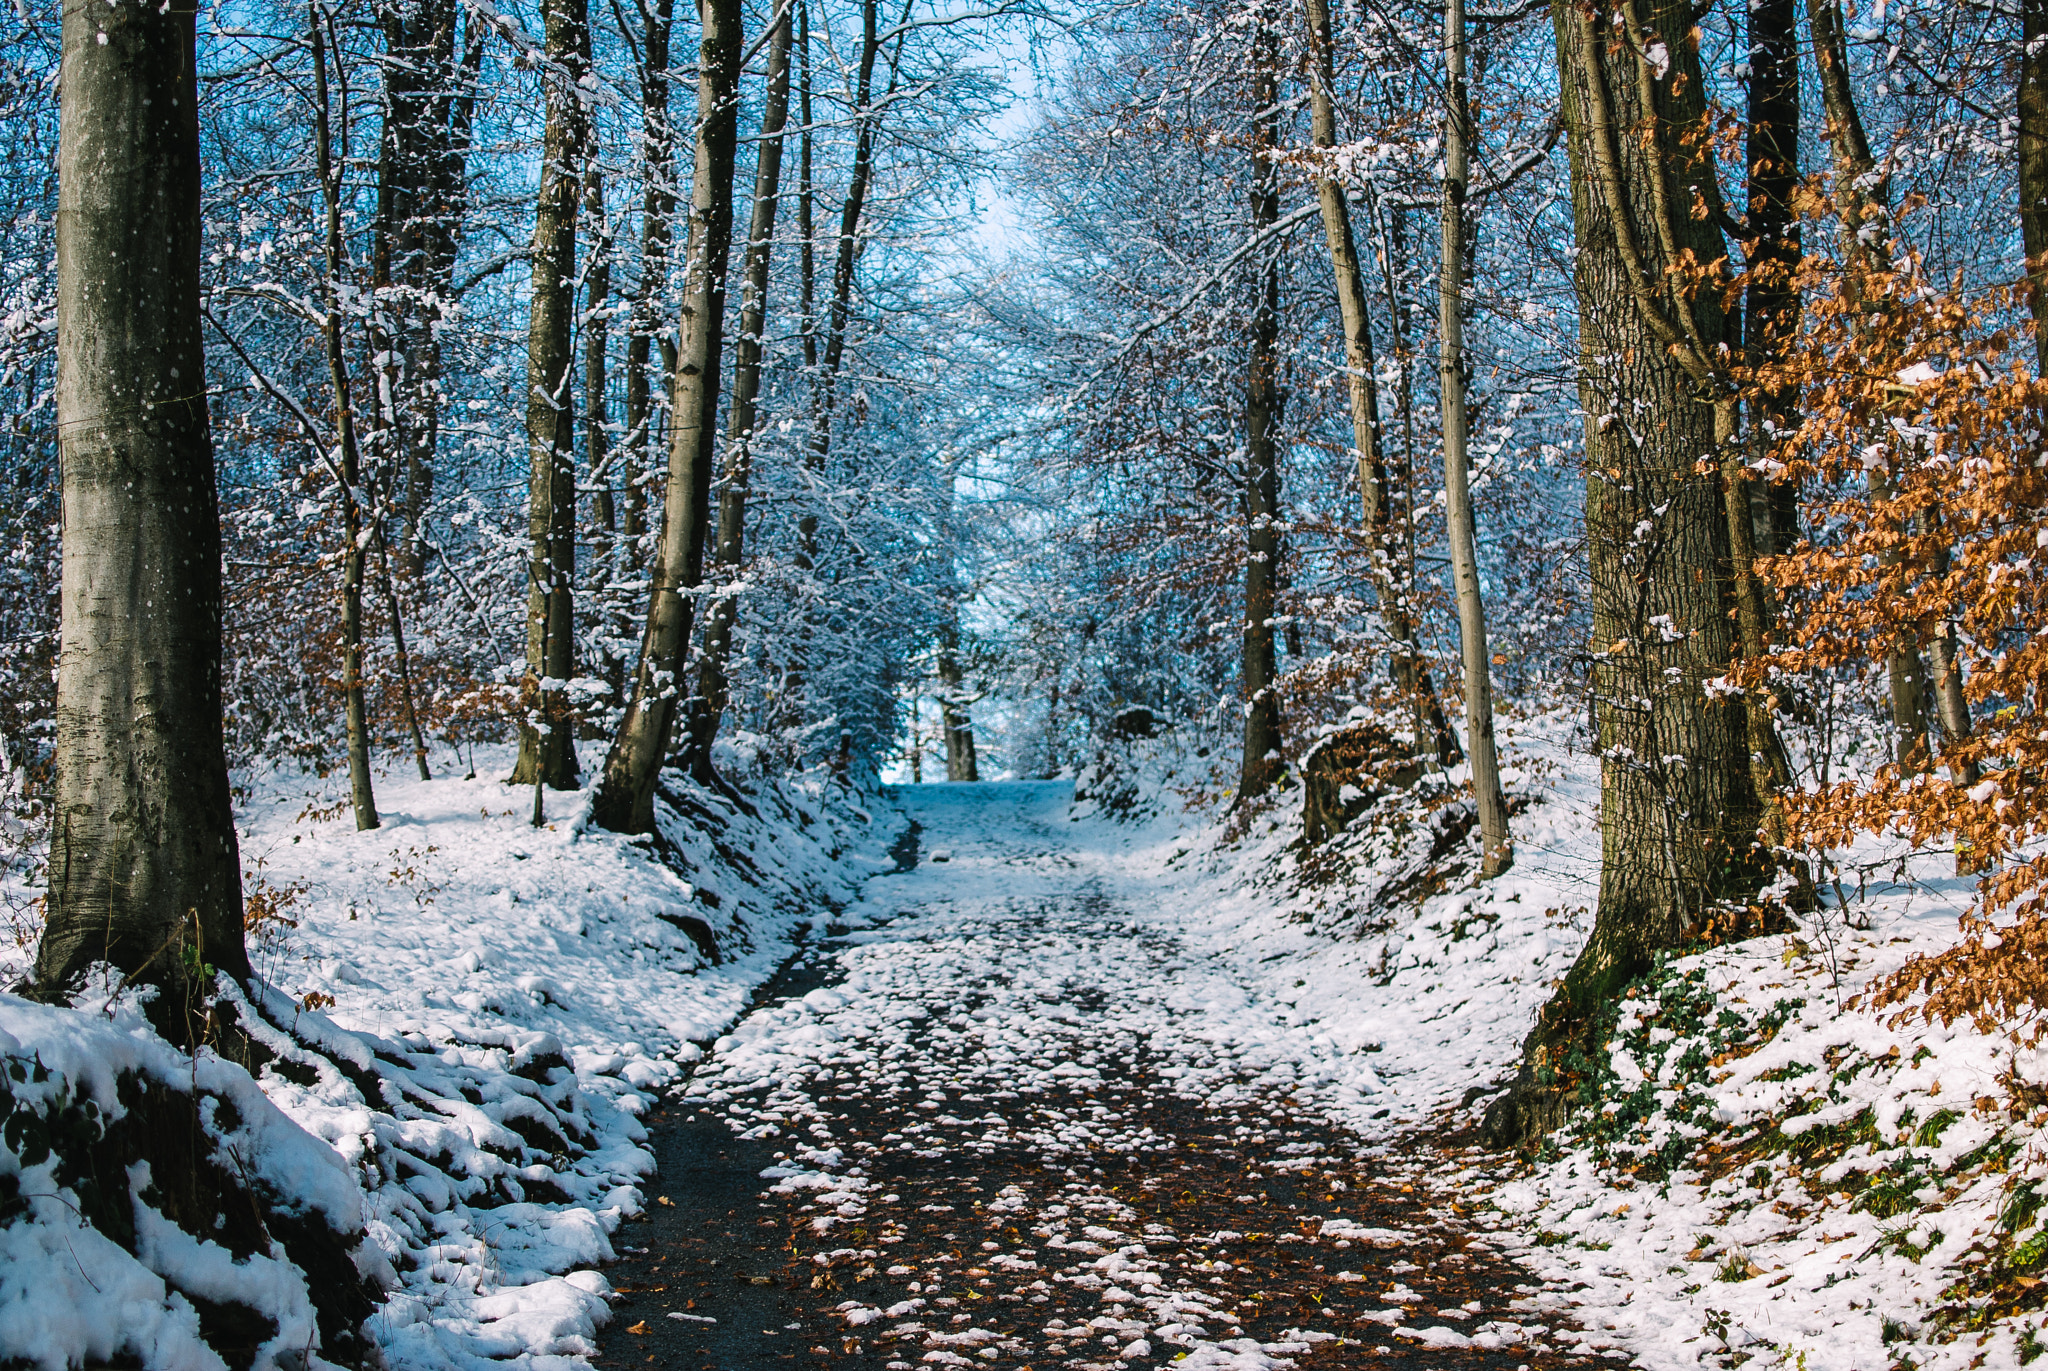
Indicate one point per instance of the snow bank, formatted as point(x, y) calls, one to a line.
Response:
point(462, 1020)
point(1764, 1172)
point(158, 1207)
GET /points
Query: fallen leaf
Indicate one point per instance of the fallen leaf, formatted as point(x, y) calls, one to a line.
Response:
point(640, 1327)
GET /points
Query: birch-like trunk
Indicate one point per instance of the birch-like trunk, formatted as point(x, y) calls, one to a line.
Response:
point(625, 796)
point(707, 708)
point(547, 740)
point(1497, 852)
point(144, 870)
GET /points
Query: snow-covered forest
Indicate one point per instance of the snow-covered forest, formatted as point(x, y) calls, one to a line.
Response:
point(1228, 683)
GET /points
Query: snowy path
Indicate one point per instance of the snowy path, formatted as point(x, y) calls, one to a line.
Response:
point(1007, 1115)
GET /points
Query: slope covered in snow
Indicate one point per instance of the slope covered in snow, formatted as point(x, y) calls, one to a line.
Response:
point(468, 1013)
point(1766, 1168)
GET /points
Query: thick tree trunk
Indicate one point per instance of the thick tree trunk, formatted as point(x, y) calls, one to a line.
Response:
point(625, 796)
point(1497, 852)
point(1262, 764)
point(1387, 504)
point(429, 95)
point(657, 205)
point(1679, 810)
point(2033, 139)
point(713, 688)
point(144, 870)
point(547, 742)
point(362, 797)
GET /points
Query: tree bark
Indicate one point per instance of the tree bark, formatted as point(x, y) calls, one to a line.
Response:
point(429, 98)
point(954, 721)
point(707, 708)
point(657, 205)
point(625, 796)
point(547, 742)
point(348, 473)
point(1262, 764)
point(1770, 317)
point(1497, 852)
point(598, 451)
point(1386, 504)
point(144, 869)
point(1679, 810)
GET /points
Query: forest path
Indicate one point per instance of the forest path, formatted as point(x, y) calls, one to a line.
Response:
point(1006, 1115)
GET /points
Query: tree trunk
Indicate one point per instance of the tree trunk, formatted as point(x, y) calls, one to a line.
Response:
point(806, 198)
point(1679, 811)
point(2033, 140)
point(547, 742)
point(713, 688)
point(144, 870)
point(1262, 764)
point(1497, 851)
point(825, 372)
point(1771, 314)
point(823, 365)
point(598, 451)
point(429, 96)
point(362, 797)
point(625, 797)
point(1387, 506)
point(657, 205)
point(401, 657)
point(954, 721)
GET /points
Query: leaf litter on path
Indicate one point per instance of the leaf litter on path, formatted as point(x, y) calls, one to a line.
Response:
point(988, 1124)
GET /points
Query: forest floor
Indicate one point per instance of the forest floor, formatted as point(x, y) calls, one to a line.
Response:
point(1009, 1112)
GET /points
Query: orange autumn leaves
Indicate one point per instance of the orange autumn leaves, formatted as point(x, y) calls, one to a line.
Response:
point(1920, 454)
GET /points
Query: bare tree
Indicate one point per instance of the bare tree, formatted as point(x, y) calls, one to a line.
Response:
point(547, 743)
point(1386, 500)
point(1261, 764)
point(1497, 852)
point(658, 201)
point(144, 870)
point(713, 686)
point(346, 458)
point(625, 796)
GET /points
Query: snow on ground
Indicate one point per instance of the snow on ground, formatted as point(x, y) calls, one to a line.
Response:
point(1772, 1175)
point(471, 1013)
point(1031, 1039)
